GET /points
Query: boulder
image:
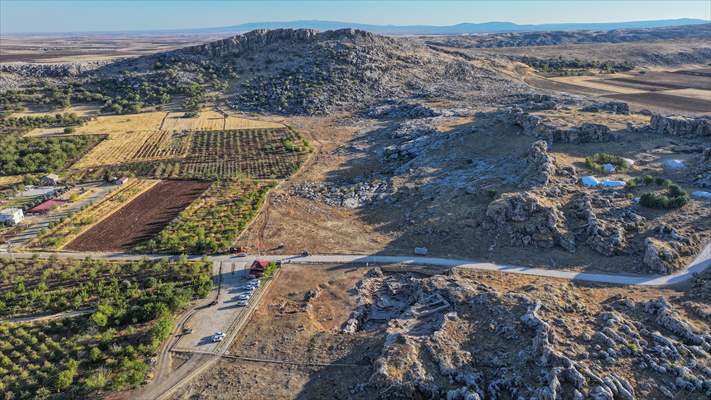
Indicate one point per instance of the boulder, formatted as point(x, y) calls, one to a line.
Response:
point(659, 257)
point(613, 107)
point(680, 126)
point(528, 222)
point(540, 166)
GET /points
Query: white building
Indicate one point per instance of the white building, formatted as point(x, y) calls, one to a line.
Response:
point(11, 216)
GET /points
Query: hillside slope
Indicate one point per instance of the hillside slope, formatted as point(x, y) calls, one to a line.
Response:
point(303, 71)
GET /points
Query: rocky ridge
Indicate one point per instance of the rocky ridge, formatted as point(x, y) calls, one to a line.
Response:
point(545, 347)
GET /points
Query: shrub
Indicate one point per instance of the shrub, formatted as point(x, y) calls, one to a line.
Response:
point(675, 197)
point(597, 160)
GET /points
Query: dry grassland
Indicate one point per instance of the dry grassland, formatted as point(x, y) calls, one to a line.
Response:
point(111, 125)
point(116, 149)
point(213, 121)
point(10, 180)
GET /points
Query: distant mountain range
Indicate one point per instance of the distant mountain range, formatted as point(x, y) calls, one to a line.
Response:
point(458, 29)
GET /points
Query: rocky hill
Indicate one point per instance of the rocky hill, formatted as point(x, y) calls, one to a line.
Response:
point(303, 71)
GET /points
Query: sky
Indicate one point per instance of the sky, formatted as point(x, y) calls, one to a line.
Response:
point(123, 15)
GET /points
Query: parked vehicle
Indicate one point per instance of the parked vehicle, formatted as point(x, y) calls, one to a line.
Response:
point(241, 302)
point(218, 337)
point(242, 254)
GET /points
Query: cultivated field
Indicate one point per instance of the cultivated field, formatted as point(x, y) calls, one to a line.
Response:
point(211, 223)
point(74, 226)
point(95, 347)
point(663, 91)
point(208, 145)
point(159, 120)
point(258, 153)
point(140, 219)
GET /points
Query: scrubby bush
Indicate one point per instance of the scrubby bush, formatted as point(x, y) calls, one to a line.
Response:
point(675, 197)
point(597, 160)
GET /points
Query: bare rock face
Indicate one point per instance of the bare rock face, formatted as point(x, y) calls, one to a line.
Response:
point(541, 166)
point(663, 252)
point(702, 171)
point(528, 222)
point(680, 126)
point(612, 107)
point(604, 236)
point(659, 257)
point(533, 125)
point(397, 109)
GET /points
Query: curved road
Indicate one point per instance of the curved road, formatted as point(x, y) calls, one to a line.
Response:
point(700, 264)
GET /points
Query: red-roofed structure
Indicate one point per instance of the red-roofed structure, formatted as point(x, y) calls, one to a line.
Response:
point(258, 267)
point(45, 206)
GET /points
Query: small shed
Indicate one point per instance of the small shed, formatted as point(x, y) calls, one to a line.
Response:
point(122, 180)
point(11, 216)
point(258, 267)
point(45, 206)
point(50, 180)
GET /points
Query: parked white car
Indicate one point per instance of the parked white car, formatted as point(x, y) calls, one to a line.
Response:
point(241, 302)
point(218, 337)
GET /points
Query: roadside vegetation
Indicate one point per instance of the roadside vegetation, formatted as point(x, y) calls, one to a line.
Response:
point(130, 312)
point(269, 272)
point(212, 223)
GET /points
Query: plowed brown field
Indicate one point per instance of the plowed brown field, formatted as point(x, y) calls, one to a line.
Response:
point(141, 218)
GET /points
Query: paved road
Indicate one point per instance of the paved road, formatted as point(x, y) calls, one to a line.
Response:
point(700, 264)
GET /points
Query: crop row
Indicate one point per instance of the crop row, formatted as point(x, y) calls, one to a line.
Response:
point(212, 223)
point(131, 307)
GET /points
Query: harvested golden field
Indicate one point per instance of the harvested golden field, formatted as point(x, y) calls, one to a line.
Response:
point(243, 123)
point(207, 121)
point(213, 121)
point(111, 125)
point(116, 149)
point(82, 221)
point(10, 180)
